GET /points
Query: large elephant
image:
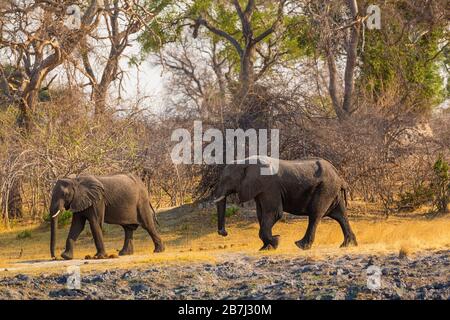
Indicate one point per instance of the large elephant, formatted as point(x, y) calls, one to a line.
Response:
point(309, 187)
point(117, 199)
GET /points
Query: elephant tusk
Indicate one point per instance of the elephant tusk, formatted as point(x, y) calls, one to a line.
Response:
point(56, 214)
point(219, 199)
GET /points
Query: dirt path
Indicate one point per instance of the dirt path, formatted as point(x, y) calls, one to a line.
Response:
point(422, 276)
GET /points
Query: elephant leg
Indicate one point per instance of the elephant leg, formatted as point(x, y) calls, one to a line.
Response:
point(306, 242)
point(148, 223)
point(128, 248)
point(78, 223)
point(338, 213)
point(270, 242)
point(258, 212)
point(96, 231)
point(317, 208)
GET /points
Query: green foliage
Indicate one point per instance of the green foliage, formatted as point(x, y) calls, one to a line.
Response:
point(231, 211)
point(165, 28)
point(411, 200)
point(402, 60)
point(24, 235)
point(64, 218)
point(188, 199)
point(436, 192)
point(305, 36)
point(394, 58)
point(177, 18)
point(441, 184)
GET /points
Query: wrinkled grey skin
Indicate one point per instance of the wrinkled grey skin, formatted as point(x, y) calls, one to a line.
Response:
point(117, 199)
point(308, 187)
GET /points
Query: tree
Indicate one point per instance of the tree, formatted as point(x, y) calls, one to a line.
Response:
point(122, 19)
point(35, 37)
point(406, 51)
point(247, 40)
point(336, 27)
point(251, 34)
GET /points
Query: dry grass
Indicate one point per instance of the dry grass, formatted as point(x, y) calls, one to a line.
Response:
point(404, 252)
point(190, 236)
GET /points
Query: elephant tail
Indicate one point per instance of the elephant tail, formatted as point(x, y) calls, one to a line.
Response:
point(154, 213)
point(344, 189)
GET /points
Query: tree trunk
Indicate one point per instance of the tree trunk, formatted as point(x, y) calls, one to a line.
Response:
point(99, 97)
point(350, 66)
point(15, 200)
point(5, 94)
point(342, 101)
point(247, 76)
point(333, 86)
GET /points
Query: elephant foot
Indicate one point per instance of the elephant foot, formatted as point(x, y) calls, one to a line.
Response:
point(67, 255)
point(350, 241)
point(272, 245)
point(101, 255)
point(159, 248)
point(267, 247)
point(126, 252)
point(303, 244)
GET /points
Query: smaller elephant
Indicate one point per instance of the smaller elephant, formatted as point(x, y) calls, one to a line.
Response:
point(308, 187)
point(120, 199)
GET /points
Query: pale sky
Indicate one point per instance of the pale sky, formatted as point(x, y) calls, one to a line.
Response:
point(145, 81)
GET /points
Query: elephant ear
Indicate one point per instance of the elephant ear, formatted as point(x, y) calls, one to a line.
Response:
point(251, 182)
point(87, 191)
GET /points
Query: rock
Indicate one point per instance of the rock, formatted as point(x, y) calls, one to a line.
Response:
point(139, 288)
point(13, 294)
point(61, 279)
point(439, 286)
point(129, 274)
point(241, 276)
point(308, 268)
point(66, 293)
point(94, 279)
point(208, 267)
point(22, 277)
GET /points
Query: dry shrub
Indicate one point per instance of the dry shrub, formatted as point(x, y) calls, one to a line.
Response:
point(404, 252)
point(382, 151)
point(171, 184)
point(378, 156)
point(381, 155)
point(66, 139)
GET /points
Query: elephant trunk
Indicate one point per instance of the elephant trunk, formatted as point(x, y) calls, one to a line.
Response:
point(221, 206)
point(54, 223)
point(53, 227)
